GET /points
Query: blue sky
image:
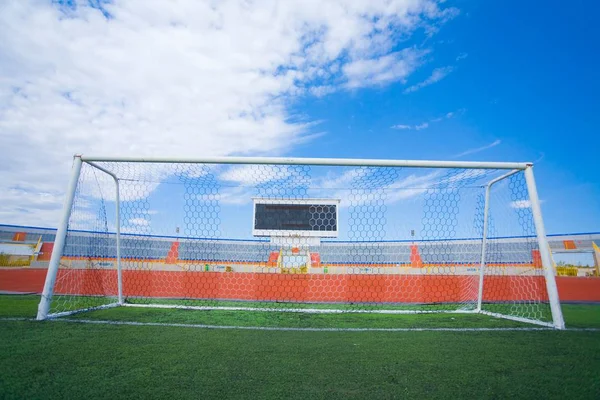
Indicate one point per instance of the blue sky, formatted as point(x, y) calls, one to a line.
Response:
point(405, 79)
point(528, 83)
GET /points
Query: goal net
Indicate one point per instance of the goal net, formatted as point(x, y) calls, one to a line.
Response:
point(303, 235)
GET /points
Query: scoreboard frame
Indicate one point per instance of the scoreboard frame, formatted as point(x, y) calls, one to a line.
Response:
point(298, 232)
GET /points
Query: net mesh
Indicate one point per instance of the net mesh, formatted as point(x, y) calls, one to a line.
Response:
point(331, 239)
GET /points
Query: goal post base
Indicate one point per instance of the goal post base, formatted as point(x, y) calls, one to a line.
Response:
point(297, 310)
point(82, 310)
point(520, 319)
point(303, 310)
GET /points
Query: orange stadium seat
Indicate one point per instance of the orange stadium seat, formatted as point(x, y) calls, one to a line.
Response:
point(173, 255)
point(19, 236)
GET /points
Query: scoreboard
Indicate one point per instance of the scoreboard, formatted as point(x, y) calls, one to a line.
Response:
point(296, 217)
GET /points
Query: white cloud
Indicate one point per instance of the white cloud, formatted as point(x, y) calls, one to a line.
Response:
point(255, 174)
point(401, 127)
point(396, 188)
point(321, 91)
point(378, 71)
point(417, 181)
point(522, 203)
point(462, 56)
point(185, 80)
point(147, 212)
point(139, 222)
point(236, 195)
point(408, 184)
point(344, 180)
point(424, 125)
point(479, 149)
point(35, 207)
point(83, 220)
point(467, 174)
point(437, 75)
point(412, 186)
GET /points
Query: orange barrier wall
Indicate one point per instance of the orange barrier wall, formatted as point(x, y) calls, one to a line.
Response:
point(572, 288)
point(320, 287)
point(27, 280)
point(292, 287)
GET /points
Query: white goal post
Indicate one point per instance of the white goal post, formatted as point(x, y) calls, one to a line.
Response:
point(388, 236)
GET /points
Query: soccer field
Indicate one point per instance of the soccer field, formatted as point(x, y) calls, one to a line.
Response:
point(62, 359)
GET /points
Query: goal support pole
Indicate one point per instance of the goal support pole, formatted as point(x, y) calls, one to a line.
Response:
point(59, 243)
point(486, 209)
point(551, 288)
point(117, 230)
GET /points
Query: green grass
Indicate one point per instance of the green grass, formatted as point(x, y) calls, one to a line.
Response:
point(273, 319)
point(67, 360)
point(289, 319)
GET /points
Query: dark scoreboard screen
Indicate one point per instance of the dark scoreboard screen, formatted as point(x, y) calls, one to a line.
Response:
point(295, 217)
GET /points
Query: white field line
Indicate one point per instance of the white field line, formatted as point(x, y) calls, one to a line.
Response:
point(283, 329)
point(297, 310)
point(292, 329)
point(8, 319)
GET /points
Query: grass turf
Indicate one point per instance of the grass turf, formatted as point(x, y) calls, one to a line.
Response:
point(67, 360)
point(348, 319)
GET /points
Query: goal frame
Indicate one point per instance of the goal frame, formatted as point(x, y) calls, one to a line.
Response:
point(511, 167)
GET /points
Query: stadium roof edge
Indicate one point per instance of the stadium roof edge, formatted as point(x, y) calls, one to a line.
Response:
point(183, 237)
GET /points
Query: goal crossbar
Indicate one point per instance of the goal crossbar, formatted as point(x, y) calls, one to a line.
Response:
point(348, 162)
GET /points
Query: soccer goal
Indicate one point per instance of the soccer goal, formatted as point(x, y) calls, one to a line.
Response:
point(304, 236)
